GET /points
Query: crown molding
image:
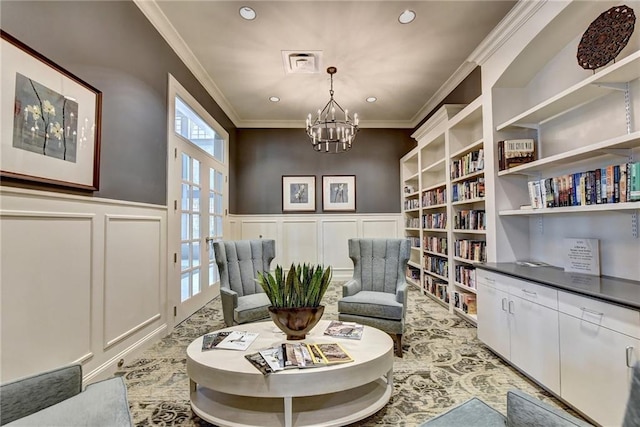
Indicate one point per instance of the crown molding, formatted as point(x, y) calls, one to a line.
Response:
point(159, 20)
point(443, 114)
point(447, 87)
point(292, 124)
point(521, 12)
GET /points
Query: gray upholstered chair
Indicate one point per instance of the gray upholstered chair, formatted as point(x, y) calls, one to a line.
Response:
point(56, 398)
point(524, 410)
point(243, 299)
point(376, 295)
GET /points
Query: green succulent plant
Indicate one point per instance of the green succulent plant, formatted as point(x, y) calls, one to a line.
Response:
point(302, 286)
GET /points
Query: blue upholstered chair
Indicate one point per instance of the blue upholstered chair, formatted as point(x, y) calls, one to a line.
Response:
point(524, 410)
point(243, 299)
point(376, 295)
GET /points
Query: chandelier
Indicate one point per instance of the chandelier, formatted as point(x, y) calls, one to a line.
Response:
point(332, 130)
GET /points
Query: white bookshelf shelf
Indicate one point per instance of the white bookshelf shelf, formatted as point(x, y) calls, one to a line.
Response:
point(414, 264)
point(624, 142)
point(606, 207)
point(589, 89)
point(470, 317)
point(436, 230)
point(467, 177)
point(468, 201)
point(435, 297)
point(466, 261)
point(437, 166)
point(411, 195)
point(436, 254)
point(440, 206)
point(469, 148)
point(461, 231)
point(412, 228)
point(412, 210)
point(412, 177)
point(431, 273)
point(465, 287)
point(435, 186)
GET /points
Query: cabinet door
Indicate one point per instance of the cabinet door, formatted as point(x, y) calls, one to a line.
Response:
point(594, 373)
point(535, 346)
point(493, 321)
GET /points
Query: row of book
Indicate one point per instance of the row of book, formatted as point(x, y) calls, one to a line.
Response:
point(435, 220)
point(435, 244)
point(415, 241)
point(298, 356)
point(611, 184)
point(437, 196)
point(473, 250)
point(439, 266)
point(470, 219)
point(437, 287)
point(413, 273)
point(515, 152)
point(411, 204)
point(412, 222)
point(465, 275)
point(468, 164)
point(465, 301)
point(467, 190)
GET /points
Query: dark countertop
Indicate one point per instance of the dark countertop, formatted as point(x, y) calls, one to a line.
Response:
point(612, 289)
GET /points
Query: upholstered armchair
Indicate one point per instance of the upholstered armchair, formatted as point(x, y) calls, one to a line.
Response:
point(376, 295)
point(243, 299)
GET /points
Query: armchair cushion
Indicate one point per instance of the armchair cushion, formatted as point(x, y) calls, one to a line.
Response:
point(251, 308)
point(372, 304)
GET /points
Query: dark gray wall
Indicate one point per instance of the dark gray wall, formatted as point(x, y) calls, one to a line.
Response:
point(112, 46)
point(265, 155)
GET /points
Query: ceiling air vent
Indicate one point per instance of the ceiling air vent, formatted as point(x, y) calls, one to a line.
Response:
point(302, 62)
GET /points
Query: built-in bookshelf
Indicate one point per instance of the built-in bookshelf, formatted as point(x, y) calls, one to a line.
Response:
point(448, 164)
point(585, 126)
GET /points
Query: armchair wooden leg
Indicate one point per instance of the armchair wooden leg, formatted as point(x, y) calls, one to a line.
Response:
point(397, 339)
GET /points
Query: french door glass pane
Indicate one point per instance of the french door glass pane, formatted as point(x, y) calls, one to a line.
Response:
point(186, 167)
point(196, 282)
point(185, 292)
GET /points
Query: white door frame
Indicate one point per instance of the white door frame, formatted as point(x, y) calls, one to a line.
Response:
point(178, 311)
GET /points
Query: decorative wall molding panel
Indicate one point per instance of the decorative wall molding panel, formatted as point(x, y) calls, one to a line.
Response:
point(83, 279)
point(318, 239)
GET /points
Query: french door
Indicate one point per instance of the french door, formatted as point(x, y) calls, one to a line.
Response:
point(197, 197)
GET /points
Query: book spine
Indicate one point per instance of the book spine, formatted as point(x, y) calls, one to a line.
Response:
point(623, 183)
point(598, 179)
point(616, 184)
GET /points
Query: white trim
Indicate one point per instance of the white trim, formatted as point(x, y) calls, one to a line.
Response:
point(522, 11)
point(159, 20)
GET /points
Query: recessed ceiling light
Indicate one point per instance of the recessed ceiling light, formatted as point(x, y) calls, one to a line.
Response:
point(407, 17)
point(372, 99)
point(247, 13)
point(274, 99)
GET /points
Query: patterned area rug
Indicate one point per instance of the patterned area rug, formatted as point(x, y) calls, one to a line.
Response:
point(444, 364)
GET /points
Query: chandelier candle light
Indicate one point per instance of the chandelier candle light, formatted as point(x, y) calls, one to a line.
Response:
point(332, 130)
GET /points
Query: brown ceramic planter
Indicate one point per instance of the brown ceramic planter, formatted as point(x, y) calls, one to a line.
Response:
point(295, 322)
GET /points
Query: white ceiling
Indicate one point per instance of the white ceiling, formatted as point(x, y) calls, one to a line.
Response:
point(405, 66)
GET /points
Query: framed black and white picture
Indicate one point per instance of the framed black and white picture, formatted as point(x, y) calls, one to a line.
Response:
point(298, 193)
point(49, 121)
point(339, 193)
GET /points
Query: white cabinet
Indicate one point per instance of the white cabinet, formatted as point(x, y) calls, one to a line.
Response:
point(595, 359)
point(519, 320)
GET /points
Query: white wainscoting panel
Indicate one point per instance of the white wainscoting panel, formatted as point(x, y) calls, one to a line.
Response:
point(335, 236)
point(46, 290)
point(316, 238)
point(301, 237)
point(83, 280)
point(133, 262)
point(258, 229)
point(379, 228)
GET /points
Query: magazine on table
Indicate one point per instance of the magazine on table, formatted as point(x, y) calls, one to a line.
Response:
point(351, 330)
point(259, 362)
point(333, 353)
point(233, 340)
point(210, 341)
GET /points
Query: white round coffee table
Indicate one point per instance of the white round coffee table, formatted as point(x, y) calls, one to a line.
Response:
point(227, 390)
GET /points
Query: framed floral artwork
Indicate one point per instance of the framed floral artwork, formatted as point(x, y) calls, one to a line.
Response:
point(298, 193)
point(49, 121)
point(339, 193)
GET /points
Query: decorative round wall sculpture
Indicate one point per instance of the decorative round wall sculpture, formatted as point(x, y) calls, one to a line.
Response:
point(607, 35)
